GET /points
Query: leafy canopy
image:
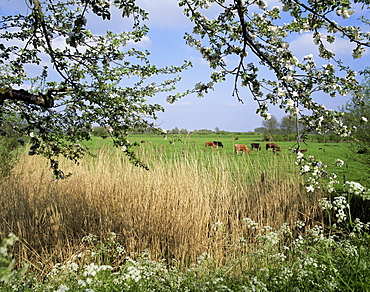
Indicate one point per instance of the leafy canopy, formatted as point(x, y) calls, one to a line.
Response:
point(81, 78)
point(88, 79)
point(245, 31)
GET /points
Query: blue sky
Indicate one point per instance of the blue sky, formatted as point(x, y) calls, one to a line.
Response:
point(218, 108)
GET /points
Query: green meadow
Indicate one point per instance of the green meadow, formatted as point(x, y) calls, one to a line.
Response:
point(327, 152)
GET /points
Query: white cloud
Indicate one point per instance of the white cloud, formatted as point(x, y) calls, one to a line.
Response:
point(198, 60)
point(181, 104)
point(164, 13)
point(144, 43)
point(304, 45)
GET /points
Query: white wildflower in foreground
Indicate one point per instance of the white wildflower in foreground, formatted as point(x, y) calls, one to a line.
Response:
point(310, 188)
point(203, 257)
point(250, 223)
point(326, 204)
point(353, 188)
point(93, 269)
point(62, 288)
point(133, 273)
point(305, 168)
point(364, 119)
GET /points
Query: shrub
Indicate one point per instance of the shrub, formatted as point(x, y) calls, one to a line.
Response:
point(8, 154)
point(100, 132)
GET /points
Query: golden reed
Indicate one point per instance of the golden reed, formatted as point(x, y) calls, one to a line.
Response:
point(169, 210)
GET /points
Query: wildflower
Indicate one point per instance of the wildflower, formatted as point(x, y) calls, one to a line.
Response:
point(310, 188)
point(32, 135)
point(363, 118)
point(271, 238)
point(305, 168)
point(204, 256)
point(339, 162)
point(299, 155)
point(250, 223)
point(299, 224)
point(124, 148)
point(354, 188)
point(133, 273)
point(62, 288)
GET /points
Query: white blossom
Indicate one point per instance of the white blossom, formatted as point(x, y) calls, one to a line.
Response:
point(310, 188)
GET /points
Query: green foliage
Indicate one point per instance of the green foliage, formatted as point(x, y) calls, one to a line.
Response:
point(10, 277)
point(89, 69)
point(82, 84)
point(10, 141)
point(271, 125)
point(8, 155)
point(100, 132)
point(357, 115)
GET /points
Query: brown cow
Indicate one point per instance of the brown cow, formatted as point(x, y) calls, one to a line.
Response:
point(274, 146)
point(241, 147)
point(210, 144)
point(256, 145)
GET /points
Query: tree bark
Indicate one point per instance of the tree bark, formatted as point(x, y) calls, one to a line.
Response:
point(44, 100)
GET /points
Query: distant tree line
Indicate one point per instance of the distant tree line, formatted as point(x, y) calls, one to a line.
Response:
point(286, 130)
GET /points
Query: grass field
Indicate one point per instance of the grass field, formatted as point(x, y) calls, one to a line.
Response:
point(353, 169)
point(193, 201)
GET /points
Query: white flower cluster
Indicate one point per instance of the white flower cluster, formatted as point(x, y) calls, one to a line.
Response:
point(351, 188)
point(203, 257)
point(250, 223)
point(133, 273)
point(314, 171)
point(93, 269)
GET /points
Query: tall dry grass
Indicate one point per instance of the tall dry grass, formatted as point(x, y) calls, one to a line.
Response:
point(169, 210)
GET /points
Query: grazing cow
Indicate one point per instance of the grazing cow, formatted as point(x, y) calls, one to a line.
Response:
point(274, 146)
point(256, 146)
point(241, 147)
point(218, 144)
point(210, 144)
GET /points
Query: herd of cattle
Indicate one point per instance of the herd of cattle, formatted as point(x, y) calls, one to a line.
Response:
point(244, 148)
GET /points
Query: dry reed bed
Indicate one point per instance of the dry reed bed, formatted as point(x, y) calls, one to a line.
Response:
point(169, 210)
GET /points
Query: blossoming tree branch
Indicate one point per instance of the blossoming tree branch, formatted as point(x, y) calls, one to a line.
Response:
point(81, 78)
point(246, 29)
point(87, 79)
